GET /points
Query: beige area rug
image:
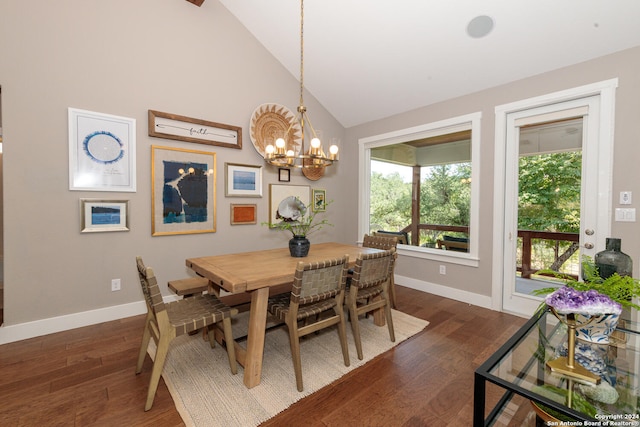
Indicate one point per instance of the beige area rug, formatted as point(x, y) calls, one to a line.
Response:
point(207, 394)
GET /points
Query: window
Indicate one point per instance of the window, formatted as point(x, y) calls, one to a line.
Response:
point(438, 161)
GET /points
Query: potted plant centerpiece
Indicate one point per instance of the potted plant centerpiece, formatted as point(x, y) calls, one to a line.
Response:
point(598, 302)
point(300, 221)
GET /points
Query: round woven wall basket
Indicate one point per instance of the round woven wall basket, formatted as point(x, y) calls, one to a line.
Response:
point(270, 122)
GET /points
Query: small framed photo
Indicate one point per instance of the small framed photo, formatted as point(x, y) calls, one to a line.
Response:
point(284, 175)
point(102, 152)
point(243, 214)
point(242, 180)
point(104, 215)
point(319, 200)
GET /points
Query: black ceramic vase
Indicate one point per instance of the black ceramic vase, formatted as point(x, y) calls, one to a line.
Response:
point(612, 260)
point(299, 246)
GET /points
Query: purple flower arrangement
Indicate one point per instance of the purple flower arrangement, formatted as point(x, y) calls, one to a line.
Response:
point(589, 303)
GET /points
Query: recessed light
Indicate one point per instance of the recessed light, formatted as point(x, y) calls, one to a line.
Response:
point(480, 26)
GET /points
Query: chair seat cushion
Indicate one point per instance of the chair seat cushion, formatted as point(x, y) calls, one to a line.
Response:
point(279, 307)
point(193, 313)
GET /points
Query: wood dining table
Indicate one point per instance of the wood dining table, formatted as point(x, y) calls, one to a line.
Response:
point(252, 277)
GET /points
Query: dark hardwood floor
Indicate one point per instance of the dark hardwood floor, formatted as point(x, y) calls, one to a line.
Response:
point(85, 377)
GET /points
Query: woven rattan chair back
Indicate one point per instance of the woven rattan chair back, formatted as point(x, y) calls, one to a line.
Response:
point(380, 242)
point(318, 281)
point(385, 243)
point(150, 288)
point(372, 270)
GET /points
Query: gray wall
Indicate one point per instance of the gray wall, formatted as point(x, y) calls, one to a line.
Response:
point(125, 57)
point(624, 65)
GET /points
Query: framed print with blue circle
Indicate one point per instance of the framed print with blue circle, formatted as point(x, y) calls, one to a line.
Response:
point(102, 152)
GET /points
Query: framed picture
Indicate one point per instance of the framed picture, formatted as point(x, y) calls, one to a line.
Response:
point(279, 192)
point(104, 215)
point(244, 214)
point(319, 200)
point(182, 128)
point(284, 175)
point(242, 180)
point(183, 196)
point(102, 152)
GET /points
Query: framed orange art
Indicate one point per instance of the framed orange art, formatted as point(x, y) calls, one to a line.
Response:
point(243, 214)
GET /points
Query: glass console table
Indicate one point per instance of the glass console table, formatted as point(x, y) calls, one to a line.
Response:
point(519, 368)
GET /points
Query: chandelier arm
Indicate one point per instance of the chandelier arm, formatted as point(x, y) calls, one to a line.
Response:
point(313, 131)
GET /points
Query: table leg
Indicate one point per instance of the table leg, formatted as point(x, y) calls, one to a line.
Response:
point(255, 337)
point(478, 400)
point(378, 314)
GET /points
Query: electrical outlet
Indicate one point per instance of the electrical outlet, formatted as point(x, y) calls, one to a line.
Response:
point(443, 269)
point(115, 285)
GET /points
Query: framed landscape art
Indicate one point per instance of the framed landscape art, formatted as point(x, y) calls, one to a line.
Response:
point(104, 215)
point(242, 180)
point(183, 196)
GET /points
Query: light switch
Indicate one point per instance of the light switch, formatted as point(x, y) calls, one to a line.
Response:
point(625, 197)
point(626, 214)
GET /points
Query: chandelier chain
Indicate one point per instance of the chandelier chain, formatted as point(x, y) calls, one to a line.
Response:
point(282, 156)
point(301, 50)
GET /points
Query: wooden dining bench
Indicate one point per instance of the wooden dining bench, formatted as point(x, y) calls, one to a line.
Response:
point(189, 286)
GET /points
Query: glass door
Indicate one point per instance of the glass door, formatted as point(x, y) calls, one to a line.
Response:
point(554, 209)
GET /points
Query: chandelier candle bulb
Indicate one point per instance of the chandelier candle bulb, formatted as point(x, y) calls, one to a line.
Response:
point(333, 151)
point(269, 149)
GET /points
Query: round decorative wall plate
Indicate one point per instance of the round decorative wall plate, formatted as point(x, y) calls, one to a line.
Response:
point(270, 122)
point(312, 174)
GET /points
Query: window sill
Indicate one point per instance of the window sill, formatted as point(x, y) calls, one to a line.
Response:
point(451, 257)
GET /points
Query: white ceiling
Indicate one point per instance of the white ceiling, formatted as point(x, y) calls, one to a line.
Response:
point(369, 59)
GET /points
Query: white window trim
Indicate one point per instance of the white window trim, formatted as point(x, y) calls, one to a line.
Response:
point(465, 122)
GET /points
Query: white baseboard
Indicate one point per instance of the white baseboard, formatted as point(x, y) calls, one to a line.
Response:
point(445, 291)
point(23, 331)
point(52, 325)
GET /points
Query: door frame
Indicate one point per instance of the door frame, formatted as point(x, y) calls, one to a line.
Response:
point(605, 91)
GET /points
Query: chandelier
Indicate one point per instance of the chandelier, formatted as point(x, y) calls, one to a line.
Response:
point(286, 157)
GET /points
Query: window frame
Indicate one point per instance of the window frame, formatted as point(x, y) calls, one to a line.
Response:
point(465, 122)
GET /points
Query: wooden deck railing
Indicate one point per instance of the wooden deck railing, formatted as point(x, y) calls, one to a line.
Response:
point(527, 237)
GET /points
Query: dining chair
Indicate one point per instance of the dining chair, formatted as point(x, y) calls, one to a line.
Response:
point(369, 291)
point(402, 236)
point(386, 243)
point(164, 322)
point(318, 287)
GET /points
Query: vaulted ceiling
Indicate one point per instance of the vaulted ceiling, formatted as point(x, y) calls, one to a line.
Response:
point(370, 59)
